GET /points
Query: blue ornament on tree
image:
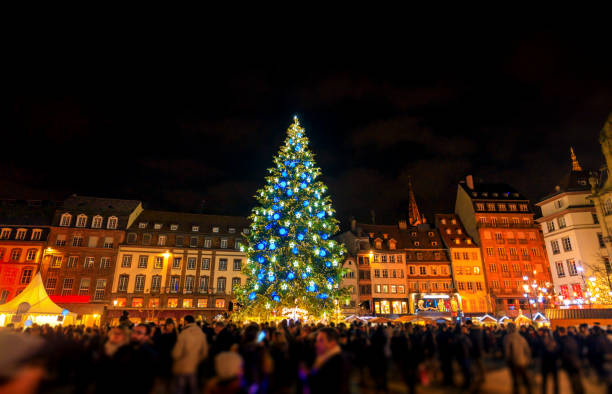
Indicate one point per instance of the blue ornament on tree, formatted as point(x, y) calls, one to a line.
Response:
point(283, 184)
point(322, 253)
point(300, 237)
point(295, 250)
point(282, 231)
point(303, 176)
point(312, 288)
point(290, 276)
point(284, 173)
point(321, 214)
point(272, 246)
point(292, 164)
point(260, 259)
point(328, 264)
point(261, 245)
point(276, 216)
point(305, 203)
point(289, 192)
point(303, 185)
point(304, 275)
point(252, 296)
point(299, 135)
point(324, 236)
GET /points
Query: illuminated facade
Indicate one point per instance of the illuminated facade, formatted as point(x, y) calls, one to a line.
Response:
point(573, 236)
point(79, 261)
point(500, 220)
point(466, 265)
point(173, 264)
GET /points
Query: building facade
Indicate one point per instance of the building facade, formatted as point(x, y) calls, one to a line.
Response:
point(173, 264)
point(466, 265)
point(83, 242)
point(516, 267)
point(573, 236)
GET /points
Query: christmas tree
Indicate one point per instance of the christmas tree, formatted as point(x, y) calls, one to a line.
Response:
point(292, 260)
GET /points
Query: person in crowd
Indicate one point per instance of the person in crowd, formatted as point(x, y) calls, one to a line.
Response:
point(476, 352)
point(189, 351)
point(570, 359)
point(518, 357)
point(329, 371)
point(549, 353)
point(444, 340)
point(229, 369)
point(462, 350)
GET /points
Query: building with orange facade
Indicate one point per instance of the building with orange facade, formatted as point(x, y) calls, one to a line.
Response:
point(466, 265)
point(516, 267)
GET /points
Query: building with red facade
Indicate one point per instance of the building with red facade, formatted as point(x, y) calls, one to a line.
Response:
point(516, 267)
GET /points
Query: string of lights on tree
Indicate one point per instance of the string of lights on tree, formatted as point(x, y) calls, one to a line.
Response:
point(292, 260)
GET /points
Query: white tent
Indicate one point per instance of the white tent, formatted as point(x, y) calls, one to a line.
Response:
point(34, 304)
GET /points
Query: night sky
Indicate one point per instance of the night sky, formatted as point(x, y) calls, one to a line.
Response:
point(194, 128)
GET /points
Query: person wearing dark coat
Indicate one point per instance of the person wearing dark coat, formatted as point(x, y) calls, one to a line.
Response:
point(476, 351)
point(570, 360)
point(444, 340)
point(329, 373)
point(549, 352)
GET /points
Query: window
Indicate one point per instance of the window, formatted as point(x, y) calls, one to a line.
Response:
point(100, 289)
point(525, 252)
point(492, 268)
point(512, 207)
point(600, 239)
point(502, 253)
point(504, 267)
point(81, 221)
point(224, 243)
point(560, 270)
point(207, 243)
point(385, 273)
point(480, 206)
point(188, 303)
point(57, 262)
point(31, 255)
point(561, 221)
point(377, 273)
point(460, 286)
point(237, 264)
point(385, 288)
point(159, 262)
point(146, 239)
point(523, 207)
point(176, 263)
point(203, 284)
point(205, 264)
point(537, 252)
point(193, 242)
point(179, 240)
point(191, 263)
point(577, 290)
point(399, 258)
point(231, 230)
point(222, 264)
point(155, 283)
point(112, 223)
point(189, 281)
point(51, 285)
point(383, 258)
point(478, 286)
point(221, 285)
point(174, 283)
point(411, 269)
point(161, 240)
point(172, 302)
point(490, 252)
point(96, 222)
point(157, 226)
point(122, 284)
point(501, 207)
point(554, 245)
point(126, 262)
point(567, 244)
point(195, 228)
point(67, 286)
point(423, 270)
point(65, 220)
point(5, 234)
point(92, 242)
point(154, 302)
point(108, 243)
point(21, 234)
point(131, 238)
point(104, 262)
point(215, 229)
point(137, 302)
point(235, 283)
point(419, 256)
point(174, 227)
point(142, 225)
point(499, 237)
point(202, 302)
point(571, 267)
point(491, 206)
point(143, 261)
point(15, 254)
point(84, 286)
point(220, 303)
point(77, 241)
point(26, 276)
point(516, 268)
point(551, 226)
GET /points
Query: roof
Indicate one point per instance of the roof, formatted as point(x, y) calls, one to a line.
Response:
point(100, 205)
point(576, 314)
point(575, 180)
point(186, 220)
point(36, 296)
point(457, 231)
point(493, 191)
point(418, 237)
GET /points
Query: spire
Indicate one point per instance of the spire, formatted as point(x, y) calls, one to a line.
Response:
point(414, 216)
point(575, 163)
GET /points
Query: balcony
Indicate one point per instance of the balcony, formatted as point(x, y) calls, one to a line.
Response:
point(505, 225)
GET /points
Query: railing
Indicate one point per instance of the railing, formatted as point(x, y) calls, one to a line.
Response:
point(505, 225)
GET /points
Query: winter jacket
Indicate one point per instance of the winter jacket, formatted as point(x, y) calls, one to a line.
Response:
point(516, 350)
point(190, 349)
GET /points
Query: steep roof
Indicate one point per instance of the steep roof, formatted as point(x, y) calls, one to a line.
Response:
point(100, 205)
point(576, 179)
point(186, 220)
point(453, 234)
point(419, 237)
point(492, 191)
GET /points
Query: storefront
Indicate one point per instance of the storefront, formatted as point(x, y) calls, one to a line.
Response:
point(391, 306)
point(435, 302)
point(86, 313)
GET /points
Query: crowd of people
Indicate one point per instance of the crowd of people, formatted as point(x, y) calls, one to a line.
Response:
point(290, 356)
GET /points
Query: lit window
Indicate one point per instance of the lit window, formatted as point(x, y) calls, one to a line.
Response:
point(137, 302)
point(81, 221)
point(112, 223)
point(96, 222)
point(31, 256)
point(142, 225)
point(188, 303)
point(174, 227)
point(65, 220)
point(153, 302)
point(215, 229)
point(220, 303)
point(202, 302)
point(195, 228)
point(172, 302)
point(161, 240)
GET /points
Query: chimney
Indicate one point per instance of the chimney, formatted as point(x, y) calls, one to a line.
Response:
point(469, 181)
point(402, 225)
point(353, 224)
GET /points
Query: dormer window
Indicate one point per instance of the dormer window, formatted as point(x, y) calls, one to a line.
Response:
point(469, 241)
point(6, 233)
point(434, 243)
point(430, 233)
point(21, 233)
point(157, 226)
point(81, 220)
point(458, 231)
point(417, 243)
point(392, 244)
point(443, 221)
point(36, 234)
point(378, 243)
point(457, 241)
point(495, 195)
point(454, 221)
point(65, 220)
point(485, 194)
point(414, 234)
point(113, 222)
point(96, 222)
point(231, 230)
point(142, 225)
point(215, 229)
point(174, 227)
point(195, 228)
